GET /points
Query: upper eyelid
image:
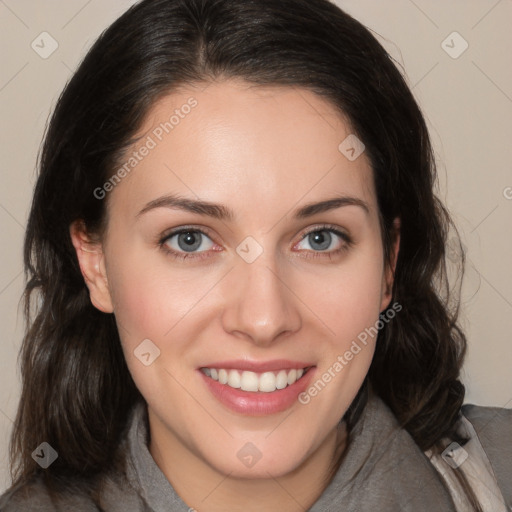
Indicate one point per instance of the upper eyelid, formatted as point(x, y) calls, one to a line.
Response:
point(176, 231)
point(325, 227)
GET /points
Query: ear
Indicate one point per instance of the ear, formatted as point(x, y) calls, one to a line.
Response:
point(389, 271)
point(92, 265)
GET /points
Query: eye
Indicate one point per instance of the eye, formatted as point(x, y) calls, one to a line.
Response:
point(186, 242)
point(326, 239)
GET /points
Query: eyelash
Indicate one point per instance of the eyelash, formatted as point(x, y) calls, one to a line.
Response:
point(203, 254)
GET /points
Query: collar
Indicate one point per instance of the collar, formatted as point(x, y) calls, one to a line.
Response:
point(382, 469)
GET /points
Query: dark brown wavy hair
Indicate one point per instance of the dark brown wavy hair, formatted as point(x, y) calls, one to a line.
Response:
point(77, 391)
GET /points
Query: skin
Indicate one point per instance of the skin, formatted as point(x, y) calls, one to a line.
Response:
point(263, 152)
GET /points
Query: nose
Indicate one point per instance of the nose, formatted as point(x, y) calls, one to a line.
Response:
point(261, 305)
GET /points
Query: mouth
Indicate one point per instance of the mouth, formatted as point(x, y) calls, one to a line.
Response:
point(250, 381)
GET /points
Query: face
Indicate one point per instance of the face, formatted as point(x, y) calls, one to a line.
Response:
point(248, 296)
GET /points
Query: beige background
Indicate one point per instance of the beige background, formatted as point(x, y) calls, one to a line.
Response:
point(467, 102)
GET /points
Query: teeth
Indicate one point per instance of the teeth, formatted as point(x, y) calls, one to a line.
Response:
point(282, 379)
point(223, 376)
point(292, 376)
point(234, 379)
point(266, 382)
point(249, 381)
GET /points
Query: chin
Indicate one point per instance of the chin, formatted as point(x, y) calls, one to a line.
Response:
point(249, 462)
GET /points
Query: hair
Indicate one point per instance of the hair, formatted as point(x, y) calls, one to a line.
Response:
point(77, 391)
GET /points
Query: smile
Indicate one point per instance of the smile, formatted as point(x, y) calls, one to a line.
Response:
point(266, 382)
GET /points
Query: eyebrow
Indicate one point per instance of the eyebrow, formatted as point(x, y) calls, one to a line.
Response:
point(221, 212)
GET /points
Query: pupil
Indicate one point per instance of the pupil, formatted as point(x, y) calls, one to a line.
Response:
point(322, 238)
point(190, 240)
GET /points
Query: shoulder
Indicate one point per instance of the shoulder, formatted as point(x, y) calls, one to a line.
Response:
point(487, 412)
point(493, 426)
point(34, 495)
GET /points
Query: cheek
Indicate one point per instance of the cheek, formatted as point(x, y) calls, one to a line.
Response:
point(144, 313)
point(148, 298)
point(138, 307)
point(348, 304)
point(348, 298)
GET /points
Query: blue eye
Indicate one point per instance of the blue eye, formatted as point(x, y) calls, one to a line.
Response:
point(190, 243)
point(184, 243)
point(323, 240)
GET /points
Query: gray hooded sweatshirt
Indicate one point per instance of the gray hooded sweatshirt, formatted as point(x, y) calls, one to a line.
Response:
point(383, 470)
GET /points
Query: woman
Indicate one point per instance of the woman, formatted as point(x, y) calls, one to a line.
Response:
point(239, 261)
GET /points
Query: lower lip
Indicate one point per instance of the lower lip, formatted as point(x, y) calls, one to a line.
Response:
point(257, 403)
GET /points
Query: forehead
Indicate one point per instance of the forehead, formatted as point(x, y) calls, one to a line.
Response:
point(243, 145)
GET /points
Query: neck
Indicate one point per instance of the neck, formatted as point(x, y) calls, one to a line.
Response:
point(205, 489)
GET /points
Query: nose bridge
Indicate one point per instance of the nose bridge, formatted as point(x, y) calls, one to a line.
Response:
point(262, 306)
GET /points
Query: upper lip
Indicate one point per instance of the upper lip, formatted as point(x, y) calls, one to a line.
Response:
point(259, 366)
